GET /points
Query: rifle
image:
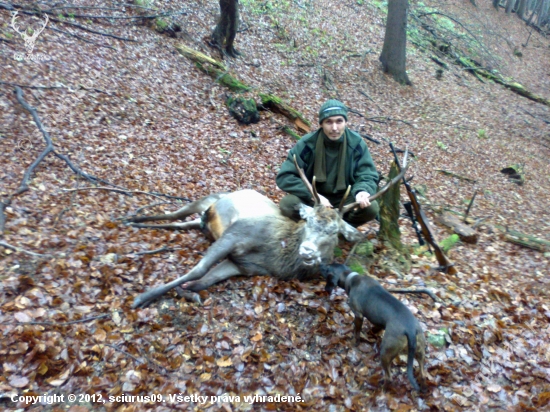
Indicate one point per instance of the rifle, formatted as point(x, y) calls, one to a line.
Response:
point(445, 264)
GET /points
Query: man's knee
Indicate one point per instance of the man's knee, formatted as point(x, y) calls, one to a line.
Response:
point(359, 217)
point(290, 206)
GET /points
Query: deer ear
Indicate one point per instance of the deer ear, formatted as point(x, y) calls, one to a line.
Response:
point(350, 233)
point(305, 211)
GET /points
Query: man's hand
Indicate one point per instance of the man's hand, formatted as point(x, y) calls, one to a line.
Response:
point(324, 201)
point(363, 199)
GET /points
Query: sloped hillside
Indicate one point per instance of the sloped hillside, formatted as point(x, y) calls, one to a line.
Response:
point(137, 116)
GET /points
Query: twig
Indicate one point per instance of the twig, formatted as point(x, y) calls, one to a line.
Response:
point(534, 116)
point(351, 252)
point(72, 322)
point(82, 7)
point(125, 353)
point(85, 40)
point(448, 124)
point(23, 86)
point(385, 119)
point(3, 206)
point(152, 252)
point(141, 209)
point(469, 206)
point(366, 95)
point(168, 106)
point(126, 192)
point(455, 175)
point(93, 31)
point(84, 16)
point(415, 291)
point(366, 136)
point(66, 208)
point(27, 252)
point(355, 112)
point(158, 367)
point(23, 187)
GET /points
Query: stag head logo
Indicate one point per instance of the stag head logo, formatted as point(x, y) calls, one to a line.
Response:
point(29, 35)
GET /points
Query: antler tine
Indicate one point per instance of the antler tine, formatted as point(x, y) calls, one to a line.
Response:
point(13, 20)
point(315, 194)
point(311, 188)
point(44, 26)
point(341, 207)
point(391, 183)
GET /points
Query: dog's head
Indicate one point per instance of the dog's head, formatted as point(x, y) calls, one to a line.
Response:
point(335, 274)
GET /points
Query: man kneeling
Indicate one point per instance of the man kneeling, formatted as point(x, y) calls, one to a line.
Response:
point(337, 157)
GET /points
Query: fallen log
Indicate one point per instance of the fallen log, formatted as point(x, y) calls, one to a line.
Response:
point(465, 232)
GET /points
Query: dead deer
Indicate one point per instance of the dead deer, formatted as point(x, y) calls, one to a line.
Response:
point(252, 237)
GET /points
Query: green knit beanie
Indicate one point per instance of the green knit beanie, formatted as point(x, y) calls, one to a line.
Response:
point(332, 108)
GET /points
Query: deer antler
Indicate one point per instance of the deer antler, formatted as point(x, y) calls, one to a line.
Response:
point(13, 19)
point(37, 32)
point(311, 188)
point(391, 183)
point(341, 207)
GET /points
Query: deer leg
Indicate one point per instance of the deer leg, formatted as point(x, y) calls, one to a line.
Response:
point(224, 270)
point(218, 251)
point(194, 224)
point(197, 206)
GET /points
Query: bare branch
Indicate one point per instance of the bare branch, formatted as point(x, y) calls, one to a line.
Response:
point(72, 322)
point(27, 252)
point(391, 183)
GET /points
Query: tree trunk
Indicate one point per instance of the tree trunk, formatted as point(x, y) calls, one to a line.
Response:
point(496, 4)
point(537, 7)
point(543, 13)
point(510, 6)
point(521, 8)
point(389, 213)
point(394, 51)
point(225, 31)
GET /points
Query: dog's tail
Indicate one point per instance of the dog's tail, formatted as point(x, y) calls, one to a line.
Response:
point(411, 338)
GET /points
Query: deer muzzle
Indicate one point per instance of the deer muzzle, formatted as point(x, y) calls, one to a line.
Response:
point(309, 252)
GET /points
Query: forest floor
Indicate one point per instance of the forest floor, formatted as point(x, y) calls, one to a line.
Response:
point(139, 115)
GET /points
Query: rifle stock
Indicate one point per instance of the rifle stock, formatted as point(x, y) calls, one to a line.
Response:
point(443, 261)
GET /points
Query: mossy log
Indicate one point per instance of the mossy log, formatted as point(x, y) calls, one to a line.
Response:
point(509, 84)
point(465, 232)
point(244, 110)
point(389, 213)
point(522, 239)
point(220, 73)
point(291, 132)
point(213, 68)
point(277, 105)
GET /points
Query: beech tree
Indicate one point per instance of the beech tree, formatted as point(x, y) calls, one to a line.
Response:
point(394, 51)
point(225, 31)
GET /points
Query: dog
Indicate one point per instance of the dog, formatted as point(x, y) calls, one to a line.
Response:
point(367, 298)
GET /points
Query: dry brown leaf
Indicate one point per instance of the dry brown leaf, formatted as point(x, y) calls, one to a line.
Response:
point(18, 381)
point(224, 362)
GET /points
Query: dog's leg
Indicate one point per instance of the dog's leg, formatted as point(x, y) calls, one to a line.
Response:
point(358, 322)
point(420, 357)
point(389, 349)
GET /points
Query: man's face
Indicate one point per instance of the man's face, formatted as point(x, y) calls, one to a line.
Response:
point(334, 127)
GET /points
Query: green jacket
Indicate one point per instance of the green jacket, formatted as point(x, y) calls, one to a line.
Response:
point(361, 173)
